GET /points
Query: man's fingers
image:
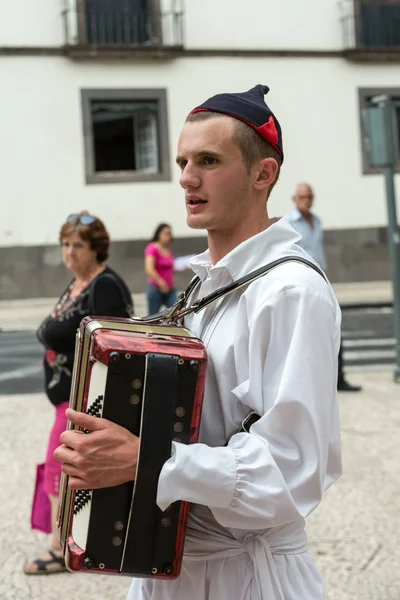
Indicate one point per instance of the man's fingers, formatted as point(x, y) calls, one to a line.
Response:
point(64, 453)
point(71, 439)
point(85, 421)
point(71, 470)
point(76, 483)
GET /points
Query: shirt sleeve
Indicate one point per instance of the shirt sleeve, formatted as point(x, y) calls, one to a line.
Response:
point(151, 250)
point(276, 473)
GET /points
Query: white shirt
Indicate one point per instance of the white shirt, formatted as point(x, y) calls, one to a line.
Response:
point(272, 347)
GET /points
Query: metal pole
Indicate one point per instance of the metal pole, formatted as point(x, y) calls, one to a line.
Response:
point(394, 255)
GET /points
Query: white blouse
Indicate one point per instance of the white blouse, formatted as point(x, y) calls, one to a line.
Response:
point(272, 348)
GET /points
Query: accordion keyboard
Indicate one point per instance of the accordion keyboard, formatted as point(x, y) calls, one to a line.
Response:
point(83, 498)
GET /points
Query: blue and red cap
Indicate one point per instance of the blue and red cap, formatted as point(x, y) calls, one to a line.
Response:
point(249, 107)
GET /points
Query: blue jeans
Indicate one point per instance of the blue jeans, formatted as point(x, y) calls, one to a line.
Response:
point(156, 299)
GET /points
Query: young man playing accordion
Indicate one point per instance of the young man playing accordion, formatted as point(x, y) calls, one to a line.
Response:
point(272, 348)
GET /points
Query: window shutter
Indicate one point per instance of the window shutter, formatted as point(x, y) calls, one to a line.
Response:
point(145, 132)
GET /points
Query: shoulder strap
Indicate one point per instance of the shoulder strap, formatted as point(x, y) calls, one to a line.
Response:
point(180, 308)
point(203, 302)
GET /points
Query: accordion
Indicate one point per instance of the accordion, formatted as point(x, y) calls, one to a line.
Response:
point(148, 378)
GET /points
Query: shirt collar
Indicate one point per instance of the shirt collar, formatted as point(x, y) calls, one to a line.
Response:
point(296, 215)
point(251, 254)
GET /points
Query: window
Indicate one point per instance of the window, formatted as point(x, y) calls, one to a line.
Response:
point(125, 135)
point(378, 23)
point(365, 95)
point(110, 22)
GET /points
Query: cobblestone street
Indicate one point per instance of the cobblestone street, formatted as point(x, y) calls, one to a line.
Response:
point(353, 534)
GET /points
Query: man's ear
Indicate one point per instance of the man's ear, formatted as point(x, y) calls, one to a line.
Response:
point(266, 172)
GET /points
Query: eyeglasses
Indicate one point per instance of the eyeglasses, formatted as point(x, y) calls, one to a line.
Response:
point(81, 219)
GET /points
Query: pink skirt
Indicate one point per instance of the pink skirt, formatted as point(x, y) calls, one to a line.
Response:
point(52, 468)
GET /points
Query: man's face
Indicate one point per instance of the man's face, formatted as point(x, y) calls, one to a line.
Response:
point(304, 198)
point(216, 183)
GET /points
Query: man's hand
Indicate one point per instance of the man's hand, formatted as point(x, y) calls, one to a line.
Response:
point(105, 457)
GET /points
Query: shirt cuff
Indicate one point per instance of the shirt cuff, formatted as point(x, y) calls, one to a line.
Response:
point(199, 474)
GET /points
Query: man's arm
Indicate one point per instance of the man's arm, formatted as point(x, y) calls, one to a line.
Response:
point(278, 472)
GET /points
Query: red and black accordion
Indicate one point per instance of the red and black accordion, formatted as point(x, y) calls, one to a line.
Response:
point(148, 378)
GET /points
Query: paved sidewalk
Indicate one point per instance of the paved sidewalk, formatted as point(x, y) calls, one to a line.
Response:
point(27, 314)
point(354, 533)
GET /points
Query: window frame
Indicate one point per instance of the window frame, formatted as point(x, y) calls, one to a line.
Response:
point(363, 95)
point(152, 94)
point(358, 24)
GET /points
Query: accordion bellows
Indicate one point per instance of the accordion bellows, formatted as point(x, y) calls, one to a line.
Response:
point(148, 378)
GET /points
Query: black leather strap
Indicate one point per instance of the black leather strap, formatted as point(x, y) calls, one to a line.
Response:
point(252, 418)
point(155, 449)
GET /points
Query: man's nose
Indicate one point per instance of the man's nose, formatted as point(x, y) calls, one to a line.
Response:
point(189, 177)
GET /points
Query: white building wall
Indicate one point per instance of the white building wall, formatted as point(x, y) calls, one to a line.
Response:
point(42, 153)
point(264, 24)
point(255, 24)
point(31, 23)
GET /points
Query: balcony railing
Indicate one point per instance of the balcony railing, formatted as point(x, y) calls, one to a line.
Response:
point(371, 24)
point(123, 23)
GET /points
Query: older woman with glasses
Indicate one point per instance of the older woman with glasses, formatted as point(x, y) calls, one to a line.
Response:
point(94, 290)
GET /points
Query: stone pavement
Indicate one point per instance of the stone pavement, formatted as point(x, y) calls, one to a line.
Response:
point(28, 314)
point(354, 533)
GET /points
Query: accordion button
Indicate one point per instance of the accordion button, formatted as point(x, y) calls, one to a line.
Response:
point(134, 399)
point(88, 563)
point(166, 522)
point(118, 525)
point(178, 427)
point(194, 365)
point(116, 541)
point(114, 357)
point(167, 568)
point(137, 384)
point(180, 411)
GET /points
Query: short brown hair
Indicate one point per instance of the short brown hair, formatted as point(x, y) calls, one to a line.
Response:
point(95, 233)
point(251, 145)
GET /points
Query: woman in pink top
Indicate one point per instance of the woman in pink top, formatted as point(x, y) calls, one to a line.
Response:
point(159, 266)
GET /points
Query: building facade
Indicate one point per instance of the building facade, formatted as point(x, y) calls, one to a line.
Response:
point(95, 92)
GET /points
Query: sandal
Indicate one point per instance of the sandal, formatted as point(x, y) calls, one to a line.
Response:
point(42, 565)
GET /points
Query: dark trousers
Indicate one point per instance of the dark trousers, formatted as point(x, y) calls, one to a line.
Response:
point(156, 299)
point(340, 364)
